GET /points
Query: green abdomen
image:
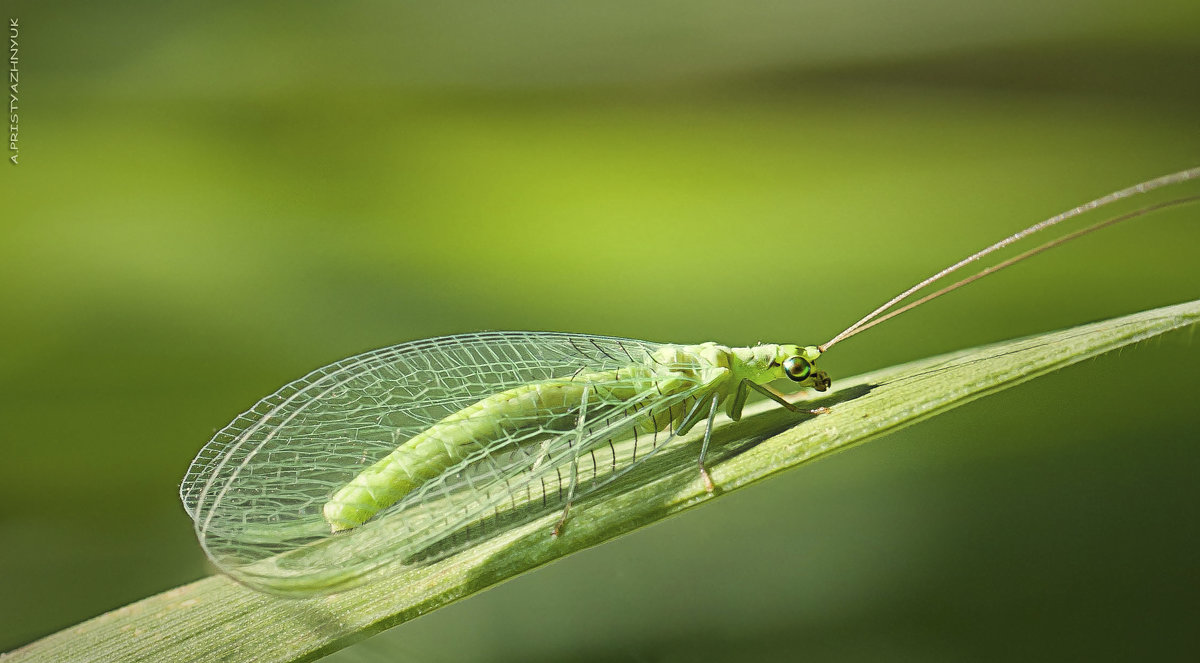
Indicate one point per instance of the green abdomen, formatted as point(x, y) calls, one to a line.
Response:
point(485, 424)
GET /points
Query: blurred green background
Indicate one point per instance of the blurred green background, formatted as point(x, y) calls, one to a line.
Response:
point(215, 198)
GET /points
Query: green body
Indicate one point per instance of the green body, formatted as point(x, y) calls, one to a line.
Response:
point(704, 371)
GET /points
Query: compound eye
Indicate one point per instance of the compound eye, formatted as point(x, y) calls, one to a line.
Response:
point(797, 368)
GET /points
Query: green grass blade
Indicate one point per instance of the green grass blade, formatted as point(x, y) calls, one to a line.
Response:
point(215, 618)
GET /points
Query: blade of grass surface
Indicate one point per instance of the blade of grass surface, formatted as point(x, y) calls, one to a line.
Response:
point(217, 619)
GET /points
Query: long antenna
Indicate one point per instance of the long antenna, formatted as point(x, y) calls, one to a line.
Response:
point(873, 318)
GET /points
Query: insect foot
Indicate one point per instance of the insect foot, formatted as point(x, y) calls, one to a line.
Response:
point(562, 521)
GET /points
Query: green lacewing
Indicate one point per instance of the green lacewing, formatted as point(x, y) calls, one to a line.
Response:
point(408, 452)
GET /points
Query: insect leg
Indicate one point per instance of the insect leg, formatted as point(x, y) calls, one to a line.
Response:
point(739, 400)
point(778, 398)
point(712, 414)
point(693, 417)
point(545, 450)
point(579, 430)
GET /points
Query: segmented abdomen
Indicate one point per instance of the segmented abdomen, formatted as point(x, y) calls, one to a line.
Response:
point(551, 405)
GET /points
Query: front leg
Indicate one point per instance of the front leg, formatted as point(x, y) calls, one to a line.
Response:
point(739, 400)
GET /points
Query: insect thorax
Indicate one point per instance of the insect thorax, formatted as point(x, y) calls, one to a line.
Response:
point(705, 361)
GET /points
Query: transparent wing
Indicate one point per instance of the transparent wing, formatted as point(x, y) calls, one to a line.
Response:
point(256, 490)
